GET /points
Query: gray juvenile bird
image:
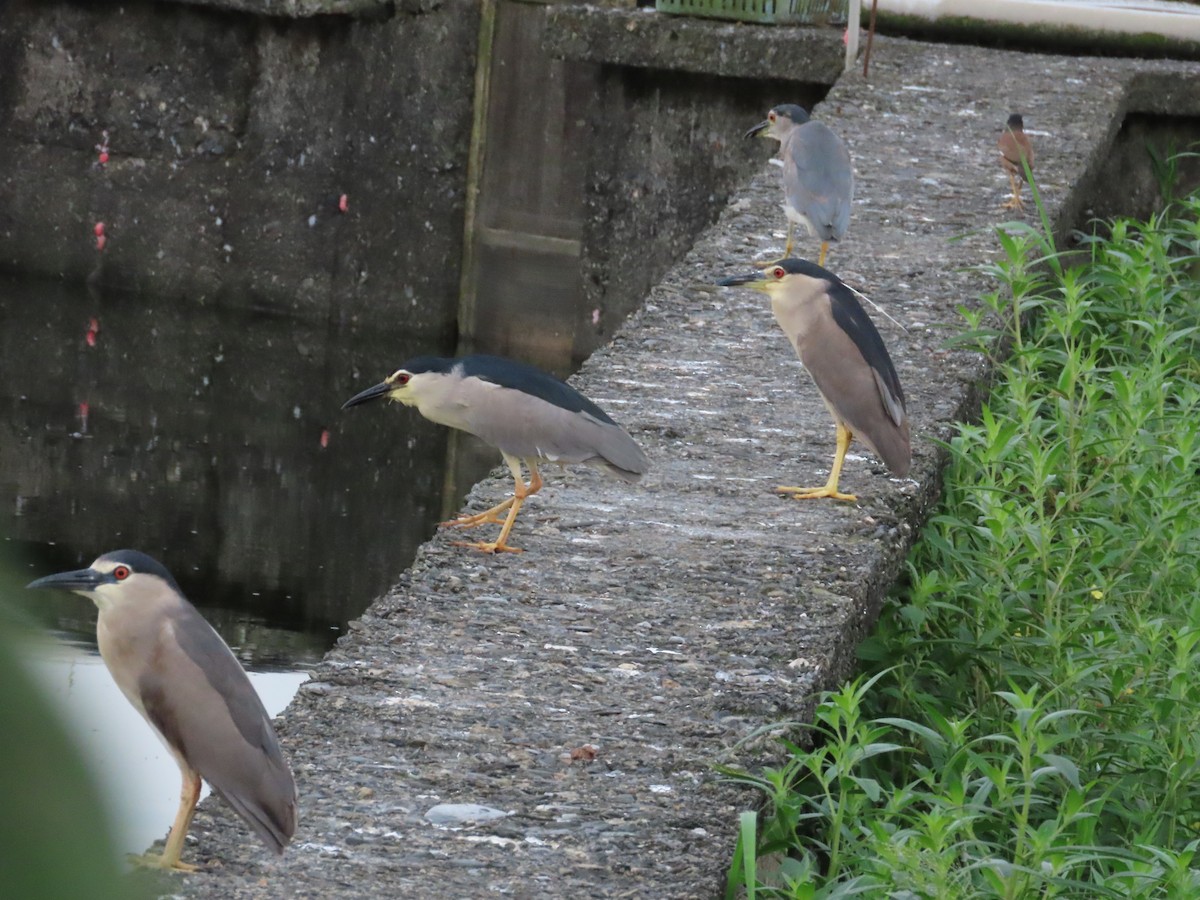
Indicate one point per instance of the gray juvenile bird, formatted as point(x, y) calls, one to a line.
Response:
point(838, 344)
point(1014, 148)
point(818, 179)
point(187, 684)
point(527, 414)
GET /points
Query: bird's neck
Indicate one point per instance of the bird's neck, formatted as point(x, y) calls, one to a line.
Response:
point(442, 402)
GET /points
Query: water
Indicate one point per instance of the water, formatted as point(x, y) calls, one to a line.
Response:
point(214, 441)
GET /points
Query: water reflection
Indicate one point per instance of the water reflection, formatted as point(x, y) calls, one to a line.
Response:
point(214, 441)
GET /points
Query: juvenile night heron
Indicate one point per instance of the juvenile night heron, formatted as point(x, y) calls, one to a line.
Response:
point(1015, 148)
point(818, 180)
point(187, 684)
point(528, 415)
point(845, 355)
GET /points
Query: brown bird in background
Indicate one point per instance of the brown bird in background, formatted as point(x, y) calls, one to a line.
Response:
point(1015, 148)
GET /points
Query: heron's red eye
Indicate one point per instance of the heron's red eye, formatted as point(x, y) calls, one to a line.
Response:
point(770, 117)
point(778, 272)
point(121, 573)
point(402, 378)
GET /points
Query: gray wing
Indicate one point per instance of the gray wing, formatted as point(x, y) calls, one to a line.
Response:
point(531, 428)
point(819, 178)
point(206, 708)
point(861, 399)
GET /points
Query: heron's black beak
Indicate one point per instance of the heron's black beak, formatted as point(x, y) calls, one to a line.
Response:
point(758, 129)
point(735, 280)
point(372, 393)
point(79, 580)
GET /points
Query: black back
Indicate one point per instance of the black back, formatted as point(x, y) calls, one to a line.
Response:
point(516, 375)
point(853, 319)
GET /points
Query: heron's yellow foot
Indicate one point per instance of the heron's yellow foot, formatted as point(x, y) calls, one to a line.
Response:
point(1015, 203)
point(488, 546)
point(803, 493)
point(157, 861)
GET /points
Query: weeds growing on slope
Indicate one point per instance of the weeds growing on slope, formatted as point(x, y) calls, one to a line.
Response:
point(1029, 722)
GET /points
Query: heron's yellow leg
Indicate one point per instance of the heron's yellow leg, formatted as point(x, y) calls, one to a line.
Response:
point(786, 253)
point(189, 795)
point(491, 516)
point(844, 436)
point(1016, 202)
point(520, 493)
point(535, 478)
point(824, 250)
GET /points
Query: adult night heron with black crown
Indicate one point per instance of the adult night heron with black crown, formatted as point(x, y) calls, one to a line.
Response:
point(840, 347)
point(528, 415)
point(187, 684)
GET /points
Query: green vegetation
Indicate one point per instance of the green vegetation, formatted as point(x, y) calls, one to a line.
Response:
point(55, 834)
point(1029, 721)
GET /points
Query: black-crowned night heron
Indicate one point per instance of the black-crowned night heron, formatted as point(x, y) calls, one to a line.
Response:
point(818, 180)
point(528, 415)
point(186, 682)
point(845, 355)
point(1015, 149)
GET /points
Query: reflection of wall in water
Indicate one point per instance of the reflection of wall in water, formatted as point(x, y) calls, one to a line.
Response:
point(203, 447)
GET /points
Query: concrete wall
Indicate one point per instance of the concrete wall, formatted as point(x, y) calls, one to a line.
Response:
point(669, 152)
point(232, 129)
point(670, 100)
point(230, 139)
point(1140, 163)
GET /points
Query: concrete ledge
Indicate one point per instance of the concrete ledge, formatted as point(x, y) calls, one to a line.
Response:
point(303, 9)
point(1170, 29)
point(644, 38)
point(586, 687)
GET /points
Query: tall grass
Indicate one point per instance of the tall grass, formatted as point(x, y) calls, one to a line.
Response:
point(1028, 724)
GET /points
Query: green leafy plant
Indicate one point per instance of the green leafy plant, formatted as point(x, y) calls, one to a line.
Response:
point(1029, 720)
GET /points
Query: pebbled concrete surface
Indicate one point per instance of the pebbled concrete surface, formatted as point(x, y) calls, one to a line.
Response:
point(587, 687)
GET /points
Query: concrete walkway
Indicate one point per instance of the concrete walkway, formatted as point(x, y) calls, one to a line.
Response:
point(587, 687)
